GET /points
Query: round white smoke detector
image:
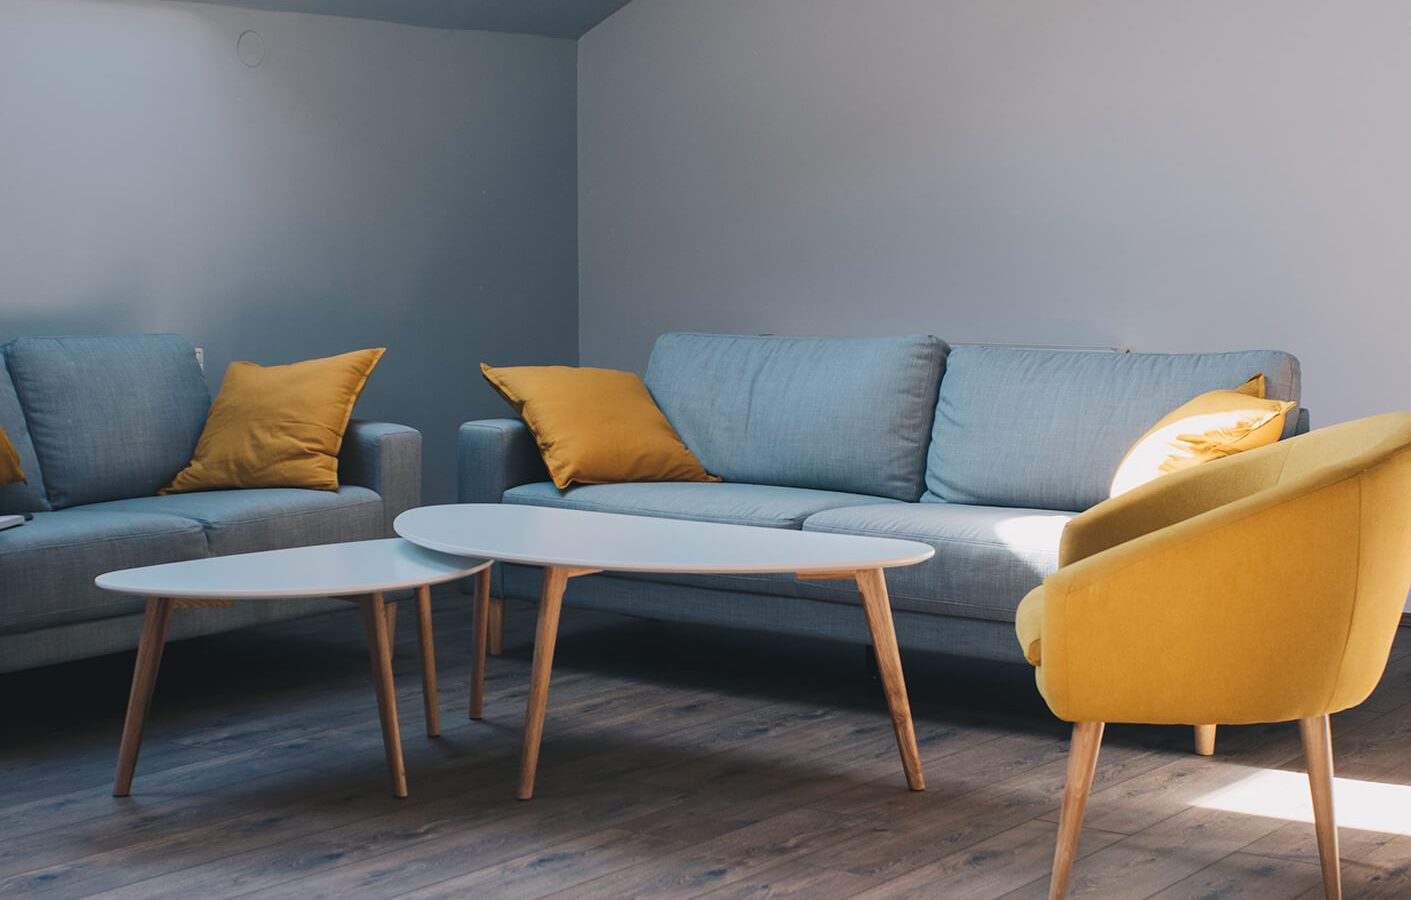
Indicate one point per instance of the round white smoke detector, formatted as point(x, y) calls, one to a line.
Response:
point(250, 47)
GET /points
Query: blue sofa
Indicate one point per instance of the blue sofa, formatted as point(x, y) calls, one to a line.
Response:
point(101, 424)
point(983, 452)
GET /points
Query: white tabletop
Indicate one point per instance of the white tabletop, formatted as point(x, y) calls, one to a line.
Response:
point(544, 536)
point(327, 570)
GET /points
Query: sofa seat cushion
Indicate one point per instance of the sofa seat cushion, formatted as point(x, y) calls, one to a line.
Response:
point(110, 417)
point(729, 503)
point(248, 521)
point(987, 558)
point(1047, 429)
point(47, 565)
point(835, 414)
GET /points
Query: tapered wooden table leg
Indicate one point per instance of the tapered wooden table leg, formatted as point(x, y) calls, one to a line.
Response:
point(391, 614)
point(878, 608)
point(139, 698)
point(496, 618)
point(550, 604)
point(375, 616)
point(1318, 754)
point(479, 632)
point(426, 643)
point(1082, 763)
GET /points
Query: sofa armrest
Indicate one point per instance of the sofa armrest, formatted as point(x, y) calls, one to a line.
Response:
point(387, 459)
point(494, 456)
point(1302, 424)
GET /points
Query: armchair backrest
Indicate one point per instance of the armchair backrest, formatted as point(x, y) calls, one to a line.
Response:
point(1267, 586)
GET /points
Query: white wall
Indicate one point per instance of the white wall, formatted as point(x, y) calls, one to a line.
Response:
point(367, 185)
point(1171, 176)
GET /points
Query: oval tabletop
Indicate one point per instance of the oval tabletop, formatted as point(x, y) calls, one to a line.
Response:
point(327, 570)
point(544, 536)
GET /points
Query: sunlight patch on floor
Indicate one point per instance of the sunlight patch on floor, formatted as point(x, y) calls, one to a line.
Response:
point(1275, 794)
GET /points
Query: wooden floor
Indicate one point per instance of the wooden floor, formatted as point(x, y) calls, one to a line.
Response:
point(677, 762)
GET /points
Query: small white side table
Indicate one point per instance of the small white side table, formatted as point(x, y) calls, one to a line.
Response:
point(359, 572)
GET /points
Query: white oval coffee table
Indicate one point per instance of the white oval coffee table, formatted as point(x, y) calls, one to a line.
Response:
point(569, 542)
point(359, 572)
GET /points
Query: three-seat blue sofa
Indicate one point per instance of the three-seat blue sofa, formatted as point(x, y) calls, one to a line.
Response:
point(984, 452)
point(102, 424)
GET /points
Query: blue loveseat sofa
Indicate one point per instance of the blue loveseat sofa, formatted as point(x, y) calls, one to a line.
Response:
point(103, 423)
point(983, 452)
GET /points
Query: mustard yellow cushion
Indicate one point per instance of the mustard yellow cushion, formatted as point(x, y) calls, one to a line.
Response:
point(595, 426)
point(1212, 426)
point(10, 471)
point(278, 426)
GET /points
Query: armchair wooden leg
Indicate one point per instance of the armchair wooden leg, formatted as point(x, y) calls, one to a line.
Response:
point(1318, 753)
point(1205, 740)
point(497, 626)
point(1082, 762)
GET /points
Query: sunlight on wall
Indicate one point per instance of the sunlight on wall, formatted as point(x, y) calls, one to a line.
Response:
point(1365, 805)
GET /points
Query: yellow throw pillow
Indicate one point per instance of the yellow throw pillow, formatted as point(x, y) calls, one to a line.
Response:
point(278, 426)
point(595, 426)
point(10, 471)
point(1212, 426)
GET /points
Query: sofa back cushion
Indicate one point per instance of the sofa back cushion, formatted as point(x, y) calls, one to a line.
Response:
point(837, 414)
point(1046, 429)
point(27, 496)
point(110, 417)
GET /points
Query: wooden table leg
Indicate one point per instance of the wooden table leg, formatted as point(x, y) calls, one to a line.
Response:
point(139, 698)
point(550, 604)
point(496, 619)
point(427, 644)
point(479, 633)
point(391, 613)
point(878, 608)
point(375, 616)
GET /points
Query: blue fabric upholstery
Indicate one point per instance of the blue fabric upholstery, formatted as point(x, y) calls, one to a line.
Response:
point(494, 456)
point(386, 459)
point(110, 417)
point(987, 557)
point(849, 415)
point(247, 521)
point(116, 633)
point(782, 615)
point(47, 565)
point(1047, 429)
point(763, 505)
point(27, 496)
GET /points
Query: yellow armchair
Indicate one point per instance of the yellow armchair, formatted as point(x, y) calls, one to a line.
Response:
point(1266, 587)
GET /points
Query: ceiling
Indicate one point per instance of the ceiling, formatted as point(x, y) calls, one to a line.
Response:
point(550, 18)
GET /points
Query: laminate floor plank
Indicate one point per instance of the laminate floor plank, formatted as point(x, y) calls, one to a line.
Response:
point(677, 762)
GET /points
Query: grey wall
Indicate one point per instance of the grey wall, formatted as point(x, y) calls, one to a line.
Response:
point(366, 185)
point(1170, 176)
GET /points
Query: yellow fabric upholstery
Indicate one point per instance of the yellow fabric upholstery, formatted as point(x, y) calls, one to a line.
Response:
point(10, 471)
point(1261, 588)
point(1029, 625)
point(595, 426)
point(1214, 425)
point(278, 426)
